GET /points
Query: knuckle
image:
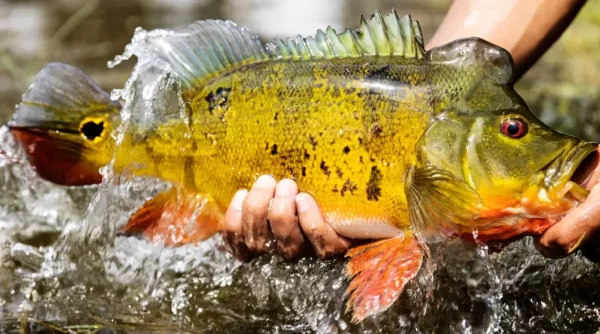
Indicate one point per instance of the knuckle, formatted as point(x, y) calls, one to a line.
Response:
point(254, 207)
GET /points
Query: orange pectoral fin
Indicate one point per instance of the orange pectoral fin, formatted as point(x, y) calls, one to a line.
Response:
point(176, 217)
point(380, 270)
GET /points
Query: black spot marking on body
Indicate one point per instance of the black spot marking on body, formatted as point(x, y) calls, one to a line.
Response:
point(373, 186)
point(339, 172)
point(313, 142)
point(325, 168)
point(306, 155)
point(218, 100)
point(346, 149)
point(335, 189)
point(274, 149)
point(276, 116)
point(303, 171)
point(348, 186)
point(376, 130)
point(266, 146)
point(382, 73)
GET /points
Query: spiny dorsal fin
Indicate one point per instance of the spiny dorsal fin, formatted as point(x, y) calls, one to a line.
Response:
point(207, 48)
point(380, 36)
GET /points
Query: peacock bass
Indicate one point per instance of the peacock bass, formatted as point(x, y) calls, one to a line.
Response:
point(397, 144)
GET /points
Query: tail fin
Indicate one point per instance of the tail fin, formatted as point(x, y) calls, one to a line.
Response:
point(64, 122)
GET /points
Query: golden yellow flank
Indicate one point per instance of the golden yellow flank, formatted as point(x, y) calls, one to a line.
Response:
point(344, 129)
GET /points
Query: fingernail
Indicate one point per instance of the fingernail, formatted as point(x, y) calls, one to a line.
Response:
point(302, 203)
point(265, 181)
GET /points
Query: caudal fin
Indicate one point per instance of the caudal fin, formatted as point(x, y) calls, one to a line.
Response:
point(64, 122)
point(176, 217)
point(380, 271)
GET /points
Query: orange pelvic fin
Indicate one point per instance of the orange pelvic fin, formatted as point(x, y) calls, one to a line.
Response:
point(176, 217)
point(380, 270)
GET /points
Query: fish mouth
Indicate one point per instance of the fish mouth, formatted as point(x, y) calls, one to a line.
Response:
point(572, 171)
point(584, 172)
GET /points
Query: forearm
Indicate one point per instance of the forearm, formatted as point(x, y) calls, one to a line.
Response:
point(526, 28)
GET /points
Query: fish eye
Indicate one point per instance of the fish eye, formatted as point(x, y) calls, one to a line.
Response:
point(92, 129)
point(514, 127)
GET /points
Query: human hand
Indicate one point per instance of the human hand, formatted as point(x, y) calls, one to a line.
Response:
point(274, 218)
point(579, 229)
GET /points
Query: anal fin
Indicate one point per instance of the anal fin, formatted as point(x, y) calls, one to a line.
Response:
point(176, 217)
point(380, 271)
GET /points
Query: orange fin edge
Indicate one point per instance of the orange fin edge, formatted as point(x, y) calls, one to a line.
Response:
point(176, 217)
point(380, 270)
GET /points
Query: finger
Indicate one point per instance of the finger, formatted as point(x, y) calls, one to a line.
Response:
point(232, 228)
point(325, 241)
point(254, 214)
point(283, 221)
point(567, 235)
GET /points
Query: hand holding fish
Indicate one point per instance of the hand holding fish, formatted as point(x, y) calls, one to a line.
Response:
point(264, 219)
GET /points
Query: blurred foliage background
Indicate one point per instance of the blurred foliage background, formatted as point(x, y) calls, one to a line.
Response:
point(563, 88)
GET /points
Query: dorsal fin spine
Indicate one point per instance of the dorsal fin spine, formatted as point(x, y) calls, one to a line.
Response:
point(204, 49)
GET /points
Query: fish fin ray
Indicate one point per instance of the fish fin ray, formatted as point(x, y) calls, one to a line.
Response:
point(202, 50)
point(176, 217)
point(61, 93)
point(441, 206)
point(380, 270)
point(383, 36)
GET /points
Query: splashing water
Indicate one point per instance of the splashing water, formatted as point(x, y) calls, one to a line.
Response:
point(63, 262)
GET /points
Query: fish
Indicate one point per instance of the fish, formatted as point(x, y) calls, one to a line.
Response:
point(401, 147)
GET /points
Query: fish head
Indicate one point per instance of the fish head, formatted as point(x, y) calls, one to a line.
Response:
point(526, 174)
point(517, 164)
point(64, 123)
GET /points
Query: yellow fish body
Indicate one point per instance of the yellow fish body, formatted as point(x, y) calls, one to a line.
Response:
point(394, 142)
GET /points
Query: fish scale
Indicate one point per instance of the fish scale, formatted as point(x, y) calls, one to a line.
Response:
point(336, 127)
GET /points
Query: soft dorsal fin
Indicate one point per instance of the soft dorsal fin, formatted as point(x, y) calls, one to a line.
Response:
point(204, 49)
point(379, 36)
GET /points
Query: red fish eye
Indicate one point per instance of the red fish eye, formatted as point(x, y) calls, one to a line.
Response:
point(514, 128)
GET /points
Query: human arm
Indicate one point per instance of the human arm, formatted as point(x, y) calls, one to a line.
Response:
point(526, 29)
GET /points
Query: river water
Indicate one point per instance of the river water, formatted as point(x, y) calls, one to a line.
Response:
point(63, 267)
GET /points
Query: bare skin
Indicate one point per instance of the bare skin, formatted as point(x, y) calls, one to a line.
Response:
point(276, 218)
